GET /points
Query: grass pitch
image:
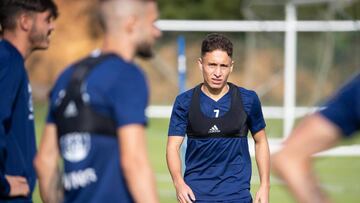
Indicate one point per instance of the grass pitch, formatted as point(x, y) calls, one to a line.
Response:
point(339, 175)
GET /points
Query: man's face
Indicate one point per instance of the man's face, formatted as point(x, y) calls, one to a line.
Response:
point(216, 67)
point(41, 29)
point(148, 32)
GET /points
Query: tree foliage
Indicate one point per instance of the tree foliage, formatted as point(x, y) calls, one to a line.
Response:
point(258, 9)
point(201, 9)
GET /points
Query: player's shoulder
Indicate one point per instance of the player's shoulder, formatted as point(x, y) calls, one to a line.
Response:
point(5, 59)
point(247, 94)
point(111, 64)
point(8, 53)
point(185, 96)
point(116, 66)
point(65, 73)
point(11, 61)
point(183, 100)
point(4, 52)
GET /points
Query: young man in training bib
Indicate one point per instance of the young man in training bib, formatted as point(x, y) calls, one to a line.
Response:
point(216, 117)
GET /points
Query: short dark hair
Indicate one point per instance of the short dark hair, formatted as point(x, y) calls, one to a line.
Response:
point(216, 41)
point(10, 9)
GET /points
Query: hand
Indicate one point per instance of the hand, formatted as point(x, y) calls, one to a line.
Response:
point(18, 186)
point(184, 193)
point(262, 195)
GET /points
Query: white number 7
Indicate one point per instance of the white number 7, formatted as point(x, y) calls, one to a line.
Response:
point(216, 113)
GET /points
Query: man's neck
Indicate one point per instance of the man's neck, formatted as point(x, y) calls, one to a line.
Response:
point(215, 94)
point(19, 41)
point(120, 46)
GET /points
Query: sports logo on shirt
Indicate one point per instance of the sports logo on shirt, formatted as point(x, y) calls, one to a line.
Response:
point(75, 146)
point(71, 110)
point(214, 129)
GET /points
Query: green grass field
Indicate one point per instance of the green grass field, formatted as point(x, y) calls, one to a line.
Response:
point(340, 176)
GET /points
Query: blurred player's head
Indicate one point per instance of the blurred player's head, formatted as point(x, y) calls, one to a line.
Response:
point(216, 61)
point(30, 19)
point(134, 19)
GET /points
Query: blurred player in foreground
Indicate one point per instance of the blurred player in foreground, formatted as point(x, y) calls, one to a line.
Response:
point(339, 119)
point(96, 119)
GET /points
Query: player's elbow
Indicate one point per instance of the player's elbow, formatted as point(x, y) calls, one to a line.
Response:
point(44, 162)
point(39, 162)
point(172, 150)
point(172, 153)
point(169, 152)
point(131, 165)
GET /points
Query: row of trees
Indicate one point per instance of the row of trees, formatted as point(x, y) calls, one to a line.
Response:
point(258, 9)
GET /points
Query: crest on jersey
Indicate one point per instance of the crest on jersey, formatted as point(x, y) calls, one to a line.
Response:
point(75, 146)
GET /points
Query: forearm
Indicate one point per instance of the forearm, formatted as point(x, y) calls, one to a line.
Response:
point(135, 164)
point(46, 164)
point(174, 165)
point(140, 179)
point(48, 176)
point(183, 191)
point(262, 156)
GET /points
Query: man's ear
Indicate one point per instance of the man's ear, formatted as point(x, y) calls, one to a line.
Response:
point(232, 66)
point(25, 21)
point(200, 63)
point(130, 23)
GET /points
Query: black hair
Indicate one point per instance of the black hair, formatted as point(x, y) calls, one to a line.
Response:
point(216, 41)
point(10, 9)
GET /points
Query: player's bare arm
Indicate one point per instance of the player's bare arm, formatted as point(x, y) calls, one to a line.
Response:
point(136, 165)
point(262, 156)
point(183, 191)
point(46, 164)
point(317, 134)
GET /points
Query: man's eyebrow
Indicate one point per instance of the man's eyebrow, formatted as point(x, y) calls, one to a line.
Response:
point(224, 65)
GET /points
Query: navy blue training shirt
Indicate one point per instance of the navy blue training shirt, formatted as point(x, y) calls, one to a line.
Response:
point(92, 171)
point(17, 134)
point(217, 169)
point(344, 108)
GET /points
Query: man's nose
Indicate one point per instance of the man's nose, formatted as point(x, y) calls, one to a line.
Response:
point(217, 71)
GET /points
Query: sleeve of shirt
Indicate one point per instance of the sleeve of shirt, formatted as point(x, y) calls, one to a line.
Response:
point(179, 118)
point(50, 114)
point(256, 120)
point(54, 93)
point(4, 186)
point(129, 98)
point(344, 108)
point(9, 83)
